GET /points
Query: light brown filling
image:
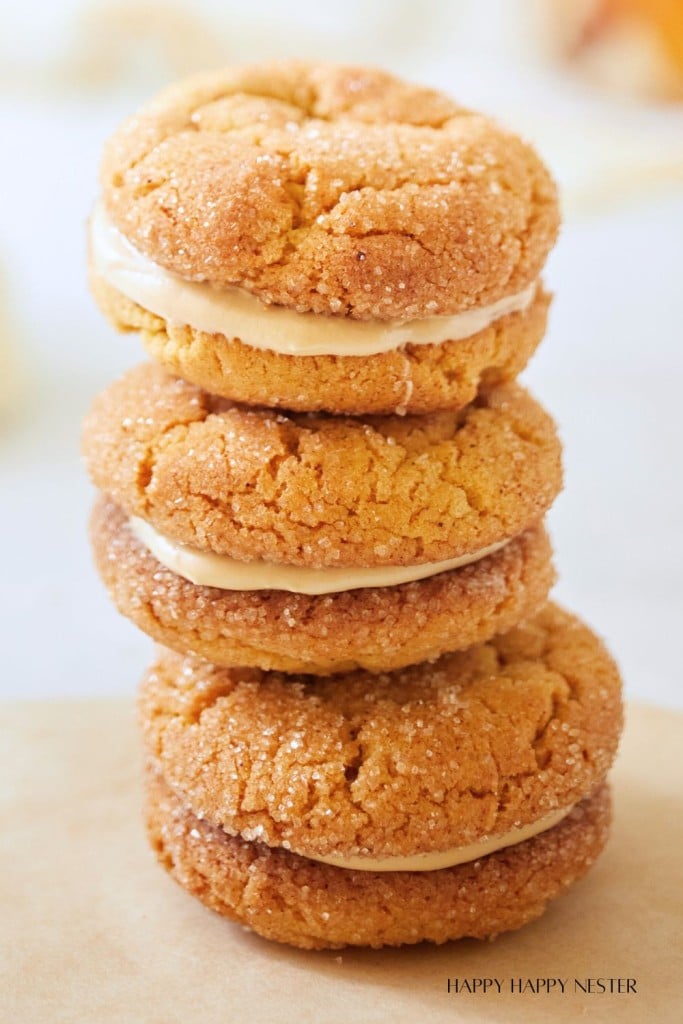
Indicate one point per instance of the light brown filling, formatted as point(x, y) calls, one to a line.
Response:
point(207, 569)
point(235, 313)
point(447, 858)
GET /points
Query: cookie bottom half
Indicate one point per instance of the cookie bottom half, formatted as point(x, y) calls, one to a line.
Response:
point(377, 629)
point(413, 379)
point(304, 903)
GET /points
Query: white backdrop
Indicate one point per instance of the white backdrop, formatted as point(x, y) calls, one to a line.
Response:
point(611, 369)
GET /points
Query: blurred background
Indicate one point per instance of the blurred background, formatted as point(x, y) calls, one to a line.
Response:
point(596, 85)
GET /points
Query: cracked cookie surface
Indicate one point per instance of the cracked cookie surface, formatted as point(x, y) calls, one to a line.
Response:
point(315, 906)
point(339, 190)
point(320, 491)
point(377, 629)
point(424, 759)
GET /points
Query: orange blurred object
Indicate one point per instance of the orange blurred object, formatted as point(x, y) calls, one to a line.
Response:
point(632, 46)
point(664, 16)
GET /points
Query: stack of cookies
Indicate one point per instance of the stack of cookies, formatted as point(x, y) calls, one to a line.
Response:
point(325, 499)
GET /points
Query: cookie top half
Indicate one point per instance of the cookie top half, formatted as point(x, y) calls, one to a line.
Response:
point(330, 189)
point(322, 491)
point(421, 760)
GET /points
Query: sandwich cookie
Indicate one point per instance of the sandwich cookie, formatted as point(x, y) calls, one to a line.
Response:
point(375, 628)
point(311, 543)
point(316, 237)
point(409, 781)
point(290, 899)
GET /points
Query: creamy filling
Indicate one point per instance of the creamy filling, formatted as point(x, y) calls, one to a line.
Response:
point(207, 569)
point(236, 313)
point(447, 858)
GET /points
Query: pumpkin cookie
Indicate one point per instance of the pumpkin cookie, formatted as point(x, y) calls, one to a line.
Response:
point(322, 237)
point(377, 628)
point(420, 765)
point(304, 903)
point(415, 378)
point(402, 496)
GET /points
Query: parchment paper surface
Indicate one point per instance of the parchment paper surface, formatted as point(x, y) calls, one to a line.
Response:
point(93, 932)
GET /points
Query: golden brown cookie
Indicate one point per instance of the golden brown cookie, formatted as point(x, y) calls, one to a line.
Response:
point(427, 759)
point(317, 491)
point(314, 906)
point(411, 379)
point(335, 192)
point(279, 178)
point(377, 629)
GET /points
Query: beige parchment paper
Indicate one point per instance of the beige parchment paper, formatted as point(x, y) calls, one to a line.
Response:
point(91, 930)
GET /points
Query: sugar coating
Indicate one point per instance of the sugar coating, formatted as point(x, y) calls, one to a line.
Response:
point(376, 629)
point(412, 379)
point(315, 906)
point(423, 759)
point(317, 490)
point(334, 189)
